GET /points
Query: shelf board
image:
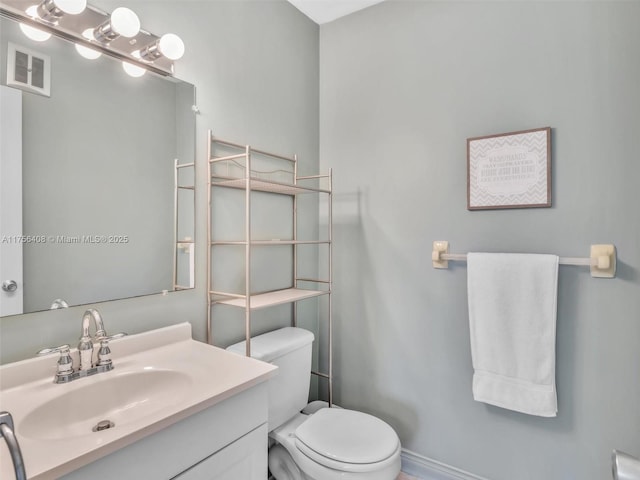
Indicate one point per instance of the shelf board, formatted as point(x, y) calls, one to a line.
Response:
point(271, 299)
point(265, 186)
point(273, 242)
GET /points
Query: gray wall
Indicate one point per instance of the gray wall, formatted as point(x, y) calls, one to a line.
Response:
point(255, 68)
point(403, 84)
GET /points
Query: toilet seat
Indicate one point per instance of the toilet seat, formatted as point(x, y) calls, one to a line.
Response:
point(353, 468)
point(347, 440)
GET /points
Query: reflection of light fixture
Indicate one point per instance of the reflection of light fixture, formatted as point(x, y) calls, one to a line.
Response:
point(170, 45)
point(58, 303)
point(34, 33)
point(133, 70)
point(86, 52)
point(122, 22)
point(51, 10)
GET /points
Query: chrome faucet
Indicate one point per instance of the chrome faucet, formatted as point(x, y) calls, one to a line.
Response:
point(85, 347)
point(65, 372)
point(8, 432)
point(624, 466)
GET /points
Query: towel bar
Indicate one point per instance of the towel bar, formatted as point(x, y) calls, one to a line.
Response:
point(602, 259)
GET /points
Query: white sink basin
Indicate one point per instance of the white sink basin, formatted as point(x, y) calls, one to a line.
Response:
point(118, 399)
point(159, 378)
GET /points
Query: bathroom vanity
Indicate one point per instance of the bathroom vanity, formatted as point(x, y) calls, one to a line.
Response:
point(178, 409)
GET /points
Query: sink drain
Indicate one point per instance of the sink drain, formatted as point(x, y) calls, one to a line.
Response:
point(103, 425)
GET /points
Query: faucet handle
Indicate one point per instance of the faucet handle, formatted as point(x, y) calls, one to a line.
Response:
point(65, 362)
point(49, 351)
point(111, 337)
point(104, 354)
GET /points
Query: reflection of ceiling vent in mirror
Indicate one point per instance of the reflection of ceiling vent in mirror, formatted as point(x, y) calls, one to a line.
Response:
point(28, 70)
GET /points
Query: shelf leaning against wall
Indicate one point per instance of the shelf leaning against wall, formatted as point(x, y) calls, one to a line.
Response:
point(231, 165)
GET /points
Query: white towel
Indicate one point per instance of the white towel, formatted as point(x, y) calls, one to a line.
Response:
point(512, 320)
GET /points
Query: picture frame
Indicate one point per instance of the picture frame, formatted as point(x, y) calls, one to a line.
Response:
point(509, 170)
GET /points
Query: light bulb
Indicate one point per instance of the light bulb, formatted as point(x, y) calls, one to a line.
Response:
point(51, 11)
point(171, 46)
point(35, 34)
point(72, 7)
point(125, 22)
point(133, 70)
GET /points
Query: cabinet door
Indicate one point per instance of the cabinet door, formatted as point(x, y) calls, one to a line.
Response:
point(245, 459)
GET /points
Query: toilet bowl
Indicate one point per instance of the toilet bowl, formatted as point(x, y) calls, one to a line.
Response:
point(335, 444)
point(329, 443)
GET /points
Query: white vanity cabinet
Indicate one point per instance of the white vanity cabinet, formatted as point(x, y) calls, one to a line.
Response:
point(179, 409)
point(227, 441)
point(245, 458)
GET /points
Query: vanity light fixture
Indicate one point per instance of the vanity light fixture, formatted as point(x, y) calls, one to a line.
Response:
point(50, 11)
point(96, 32)
point(122, 22)
point(169, 45)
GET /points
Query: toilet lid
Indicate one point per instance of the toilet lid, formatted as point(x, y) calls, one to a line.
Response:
point(347, 436)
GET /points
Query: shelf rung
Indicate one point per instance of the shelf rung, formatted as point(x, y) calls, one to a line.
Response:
point(312, 177)
point(227, 157)
point(264, 186)
point(319, 374)
point(253, 150)
point(227, 294)
point(313, 280)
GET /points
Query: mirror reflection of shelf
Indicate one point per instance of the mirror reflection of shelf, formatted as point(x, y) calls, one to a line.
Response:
point(184, 254)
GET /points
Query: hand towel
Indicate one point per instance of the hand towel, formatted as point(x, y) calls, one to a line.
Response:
point(512, 321)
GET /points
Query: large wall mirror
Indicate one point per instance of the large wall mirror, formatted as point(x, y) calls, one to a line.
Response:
point(92, 204)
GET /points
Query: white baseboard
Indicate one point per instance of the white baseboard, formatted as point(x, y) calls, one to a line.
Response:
point(428, 469)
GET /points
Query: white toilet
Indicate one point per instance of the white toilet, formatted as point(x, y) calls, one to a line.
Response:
point(332, 443)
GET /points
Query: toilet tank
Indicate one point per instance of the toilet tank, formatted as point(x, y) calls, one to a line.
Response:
point(289, 349)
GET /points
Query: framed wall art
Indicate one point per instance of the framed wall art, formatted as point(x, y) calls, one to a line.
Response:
point(509, 170)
